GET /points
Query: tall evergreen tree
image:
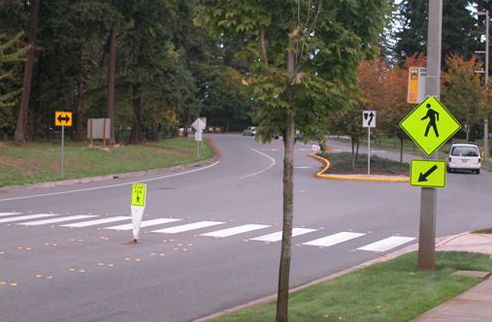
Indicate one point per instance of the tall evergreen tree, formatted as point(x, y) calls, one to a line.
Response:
point(460, 32)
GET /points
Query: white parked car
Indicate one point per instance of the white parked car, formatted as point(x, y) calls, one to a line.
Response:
point(250, 131)
point(464, 157)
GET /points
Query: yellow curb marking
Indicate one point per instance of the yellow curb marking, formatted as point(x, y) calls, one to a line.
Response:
point(321, 174)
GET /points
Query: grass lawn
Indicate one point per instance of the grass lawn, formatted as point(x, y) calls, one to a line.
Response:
point(341, 163)
point(41, 161)
point(483, 231)
point(393, 291)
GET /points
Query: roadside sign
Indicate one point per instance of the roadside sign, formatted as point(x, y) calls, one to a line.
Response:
point(368, 118)
point(198, 135)
point(198, 124)
point(315, 148)
point(416, 84)
point(430, 125)
point(138, 194)
point(428, 173)
point(63, 118)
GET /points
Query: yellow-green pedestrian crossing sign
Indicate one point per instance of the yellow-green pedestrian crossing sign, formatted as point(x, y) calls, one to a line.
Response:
point(428, 173)
point(430, 125)
point(138, 194)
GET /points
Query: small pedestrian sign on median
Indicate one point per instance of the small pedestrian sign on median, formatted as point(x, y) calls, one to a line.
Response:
point(430, 125)
point(428, 173)
point(138, 194)
point(138, 198)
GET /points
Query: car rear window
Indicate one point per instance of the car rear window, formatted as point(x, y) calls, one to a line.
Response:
point(464, 151)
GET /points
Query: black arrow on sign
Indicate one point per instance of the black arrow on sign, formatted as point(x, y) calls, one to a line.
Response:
point(370, 118)
point(63, 119)
point(423, 176)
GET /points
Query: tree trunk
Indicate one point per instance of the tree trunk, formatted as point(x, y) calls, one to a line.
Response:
point(136, 134)
point(353, 153)
point(20, 131)
point(288, 214)
point(187, 121)
point(357, 151)
point(263, 49)
point(401, 150)
point(282, 314)
point(78, 134)
point(111, 82)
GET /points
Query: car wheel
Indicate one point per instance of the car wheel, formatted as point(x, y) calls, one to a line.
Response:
point(448, 170)
point(477, 171)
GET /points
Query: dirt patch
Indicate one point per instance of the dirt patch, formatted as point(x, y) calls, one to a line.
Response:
point(28, 166)
point(363, 171)
point(168, 151)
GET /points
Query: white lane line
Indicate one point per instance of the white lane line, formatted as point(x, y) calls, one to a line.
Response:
point(145, 223)
point(386, 244)
point(112, 185)
point(6, 214)
point(188, 227)
point(277, 236)
point(303, 167)
point(20, 218)
point(96, 222)
point(56, 220)
point(272, 163)
point(333, 239)
point(234, 230)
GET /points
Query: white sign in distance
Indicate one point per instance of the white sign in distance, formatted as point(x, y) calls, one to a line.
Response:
point(199, 124)
point(315, 148)
point(369, 118)
point(198, 136)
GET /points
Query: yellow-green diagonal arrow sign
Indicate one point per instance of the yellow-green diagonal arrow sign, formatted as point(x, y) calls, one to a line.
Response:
point(430, 125)
point(428, 173)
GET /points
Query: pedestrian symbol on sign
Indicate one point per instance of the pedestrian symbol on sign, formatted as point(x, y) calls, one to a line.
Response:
point(433, 116)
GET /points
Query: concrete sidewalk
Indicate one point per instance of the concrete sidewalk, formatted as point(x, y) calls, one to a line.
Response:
point(474, 305)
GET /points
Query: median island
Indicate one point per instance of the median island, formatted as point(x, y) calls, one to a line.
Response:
point(345, 163)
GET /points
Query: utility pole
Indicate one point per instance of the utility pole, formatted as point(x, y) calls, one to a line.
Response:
point(428, 198)
point(486, 79)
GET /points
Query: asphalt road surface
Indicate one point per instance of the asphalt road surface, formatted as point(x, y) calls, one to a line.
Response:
point(210, 238)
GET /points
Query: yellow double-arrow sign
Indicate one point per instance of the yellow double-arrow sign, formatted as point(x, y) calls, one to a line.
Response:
point(63, 118)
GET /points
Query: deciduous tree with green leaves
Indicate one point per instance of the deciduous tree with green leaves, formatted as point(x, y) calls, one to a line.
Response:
point(300, 59)
point(462, 93)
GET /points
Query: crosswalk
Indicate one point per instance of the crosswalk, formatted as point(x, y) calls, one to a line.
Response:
point(217, 230)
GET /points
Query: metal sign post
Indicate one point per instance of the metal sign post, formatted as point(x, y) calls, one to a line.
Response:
point(63, 149)
point(369, 121)
point(63, 119)
point(368, 151)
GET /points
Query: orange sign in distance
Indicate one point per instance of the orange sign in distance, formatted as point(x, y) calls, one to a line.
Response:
point(63, 118)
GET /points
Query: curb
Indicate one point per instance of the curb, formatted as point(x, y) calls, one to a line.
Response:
point(116, 176)
point(320, 174)
point(271, 298)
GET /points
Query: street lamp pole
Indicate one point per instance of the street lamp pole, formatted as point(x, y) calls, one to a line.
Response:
point(486, 79)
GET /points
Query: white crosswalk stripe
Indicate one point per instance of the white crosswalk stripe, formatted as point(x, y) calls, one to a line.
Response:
point(96, 222)
point(188, 227)
point(145, 223)
point(386, 244)
point(27, 217)
point(277, 236)
point(55, 220)
point(234, 230)
point(333, 239)
point(6, 214)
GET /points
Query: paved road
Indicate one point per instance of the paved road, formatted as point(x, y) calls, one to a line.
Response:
point(210, 242)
